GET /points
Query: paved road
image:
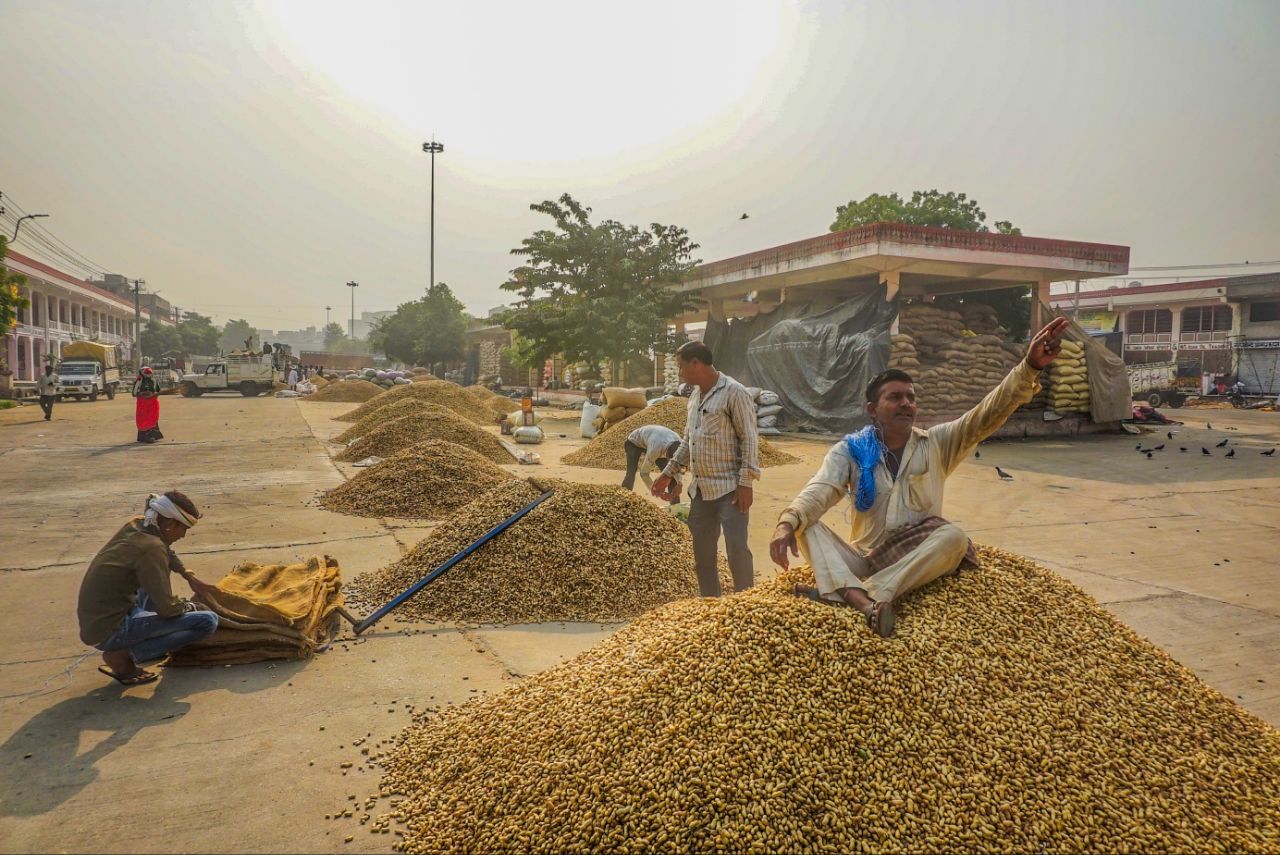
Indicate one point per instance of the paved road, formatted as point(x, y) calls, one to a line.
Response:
point(1182, 547)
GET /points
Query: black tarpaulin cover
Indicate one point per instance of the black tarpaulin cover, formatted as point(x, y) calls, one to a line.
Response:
point(818, 360)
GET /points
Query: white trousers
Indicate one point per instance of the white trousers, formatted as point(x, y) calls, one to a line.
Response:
point(837, 565)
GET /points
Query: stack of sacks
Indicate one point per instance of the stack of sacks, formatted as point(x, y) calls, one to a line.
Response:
point(982, 319)
point(931, 328)
point(1069, 380)
point(768, 411)
point(670, 374)
point(619, 403)
point(902, 353)
point(968, 368)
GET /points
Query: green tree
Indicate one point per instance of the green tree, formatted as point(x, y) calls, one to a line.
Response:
point(10, 300)
point(430, 331)
point(597, 291)
point(234, 334)
point(948, 211)
point(198, 335)
point(157, 339)
point(333, 334)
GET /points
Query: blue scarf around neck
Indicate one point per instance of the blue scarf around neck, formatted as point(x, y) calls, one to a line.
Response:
point(867, 451)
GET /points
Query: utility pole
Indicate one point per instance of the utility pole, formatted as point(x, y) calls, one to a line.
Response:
point(137, 324)
point(1075, 312)
point(327, 309)
point(351, 330)
point(433, 148)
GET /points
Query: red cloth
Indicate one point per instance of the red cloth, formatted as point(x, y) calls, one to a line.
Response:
point(147, 413)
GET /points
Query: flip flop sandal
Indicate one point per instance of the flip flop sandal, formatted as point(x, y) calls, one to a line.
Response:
point(137, 678)
point(881, 619)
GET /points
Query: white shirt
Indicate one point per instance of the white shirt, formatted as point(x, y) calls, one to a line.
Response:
point(928, 458)
point(721, 446)
point(47, 385)
point(293, 376)
point(655, 440)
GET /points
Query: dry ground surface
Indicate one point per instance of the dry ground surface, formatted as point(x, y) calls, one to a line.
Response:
point(1182, 547)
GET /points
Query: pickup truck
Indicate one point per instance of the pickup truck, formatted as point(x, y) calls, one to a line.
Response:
point(88, 369)
point(248, 375)
point(1156, 383)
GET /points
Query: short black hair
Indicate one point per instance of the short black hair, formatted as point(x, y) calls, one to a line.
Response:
point(887, 376)
point(695, 350)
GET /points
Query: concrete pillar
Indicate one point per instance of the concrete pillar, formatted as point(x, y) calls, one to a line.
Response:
point(1039, 297)
point(12, 359)
point(891, 280)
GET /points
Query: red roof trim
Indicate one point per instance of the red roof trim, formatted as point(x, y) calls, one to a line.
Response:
point(922, 236)
point(70, 280)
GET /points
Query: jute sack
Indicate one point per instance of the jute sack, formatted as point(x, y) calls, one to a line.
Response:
point(617, 396)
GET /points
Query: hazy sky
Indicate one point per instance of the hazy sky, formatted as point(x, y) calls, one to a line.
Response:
point(249, 158)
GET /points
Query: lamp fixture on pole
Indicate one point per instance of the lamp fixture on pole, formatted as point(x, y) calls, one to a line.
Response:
point(18, 226)
point(351, 332)
point(433, 148)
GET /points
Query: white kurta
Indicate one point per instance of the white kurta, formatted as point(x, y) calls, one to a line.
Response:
point(928, 458)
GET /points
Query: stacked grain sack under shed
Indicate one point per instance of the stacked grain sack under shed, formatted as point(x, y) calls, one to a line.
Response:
point(1010, 713)
point(769, 411)
point(606, 450)
point(957, 367)
point(1069, 380)
point(588, 553)
point(427, 480)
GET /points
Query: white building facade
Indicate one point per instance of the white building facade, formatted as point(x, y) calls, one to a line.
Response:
point(63, 309)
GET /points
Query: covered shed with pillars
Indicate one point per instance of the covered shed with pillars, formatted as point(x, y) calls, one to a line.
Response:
point(886, 267)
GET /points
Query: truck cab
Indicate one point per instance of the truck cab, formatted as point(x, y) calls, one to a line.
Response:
point(248, 375)
point(88, 369)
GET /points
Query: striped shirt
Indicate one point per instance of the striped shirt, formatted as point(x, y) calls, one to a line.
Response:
point(720, 446)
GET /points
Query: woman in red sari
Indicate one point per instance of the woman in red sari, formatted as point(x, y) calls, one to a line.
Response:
point(147, 407)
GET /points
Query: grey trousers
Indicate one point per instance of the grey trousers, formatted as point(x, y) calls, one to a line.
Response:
point(706, 520)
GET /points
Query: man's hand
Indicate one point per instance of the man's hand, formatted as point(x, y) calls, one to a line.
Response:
point(1047, 344)
point(784, 538)
point(742, 499)
point(666, 488)
point(197, 587)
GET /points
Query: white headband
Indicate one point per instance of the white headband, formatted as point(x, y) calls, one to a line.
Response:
point(164, 506)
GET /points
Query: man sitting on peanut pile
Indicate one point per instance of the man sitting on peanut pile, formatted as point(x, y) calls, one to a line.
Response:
point(127, 608)
point(894, 475)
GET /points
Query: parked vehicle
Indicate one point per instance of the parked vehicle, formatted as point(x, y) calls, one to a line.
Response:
point(248, 375)
point(88, 369)
point(1156, 383)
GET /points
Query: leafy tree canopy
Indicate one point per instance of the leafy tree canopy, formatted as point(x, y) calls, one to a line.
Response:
point(333, 334)
point(596, 291)
point(948, 211)
point(198, 335)
point(430, 331)
point(234, 334)
point(10, 301)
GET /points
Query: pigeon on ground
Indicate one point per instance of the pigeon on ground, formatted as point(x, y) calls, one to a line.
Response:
point(977, 454)
point(1205, 451)
point(1182, 448)
point(1138, 447)
point(1150, 455)
point(1231, 453)
point(1170, 434)
point(1268, 452)
point(1159, 447)
point(1221, 444)
point(1004, 476)
point(1142, 450)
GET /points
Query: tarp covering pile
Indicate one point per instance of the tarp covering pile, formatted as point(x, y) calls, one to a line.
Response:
point(270, 611)
point(819, 361)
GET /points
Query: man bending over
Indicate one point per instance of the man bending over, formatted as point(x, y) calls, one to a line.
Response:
point(127, 608)
point(893, 473)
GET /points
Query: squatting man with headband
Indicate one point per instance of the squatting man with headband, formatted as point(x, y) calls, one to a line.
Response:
point(893, 474)
point(127, 608)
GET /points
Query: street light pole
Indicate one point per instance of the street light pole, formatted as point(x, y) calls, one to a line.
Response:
point(137, 324)
point(18, 226)
point(351, 331)
point(433, 148)
point(327, 309)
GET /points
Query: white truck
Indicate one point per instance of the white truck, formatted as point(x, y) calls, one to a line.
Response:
point(1156, 383)
point(248, 375)
point(88, 369)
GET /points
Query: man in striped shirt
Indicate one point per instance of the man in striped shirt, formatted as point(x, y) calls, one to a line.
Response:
point(720, 449)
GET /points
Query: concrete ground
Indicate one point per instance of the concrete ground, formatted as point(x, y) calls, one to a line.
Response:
point(1182, 547)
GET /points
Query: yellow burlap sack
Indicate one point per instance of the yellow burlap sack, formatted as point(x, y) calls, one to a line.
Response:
point(616, 396)
point(612, 415)
point(270, 611)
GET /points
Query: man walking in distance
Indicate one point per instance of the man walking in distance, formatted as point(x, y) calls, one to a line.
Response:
point(893, 474)
point(720, 449)
point(47, 387)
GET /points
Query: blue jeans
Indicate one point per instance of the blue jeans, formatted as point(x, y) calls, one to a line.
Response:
point(148, 637)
